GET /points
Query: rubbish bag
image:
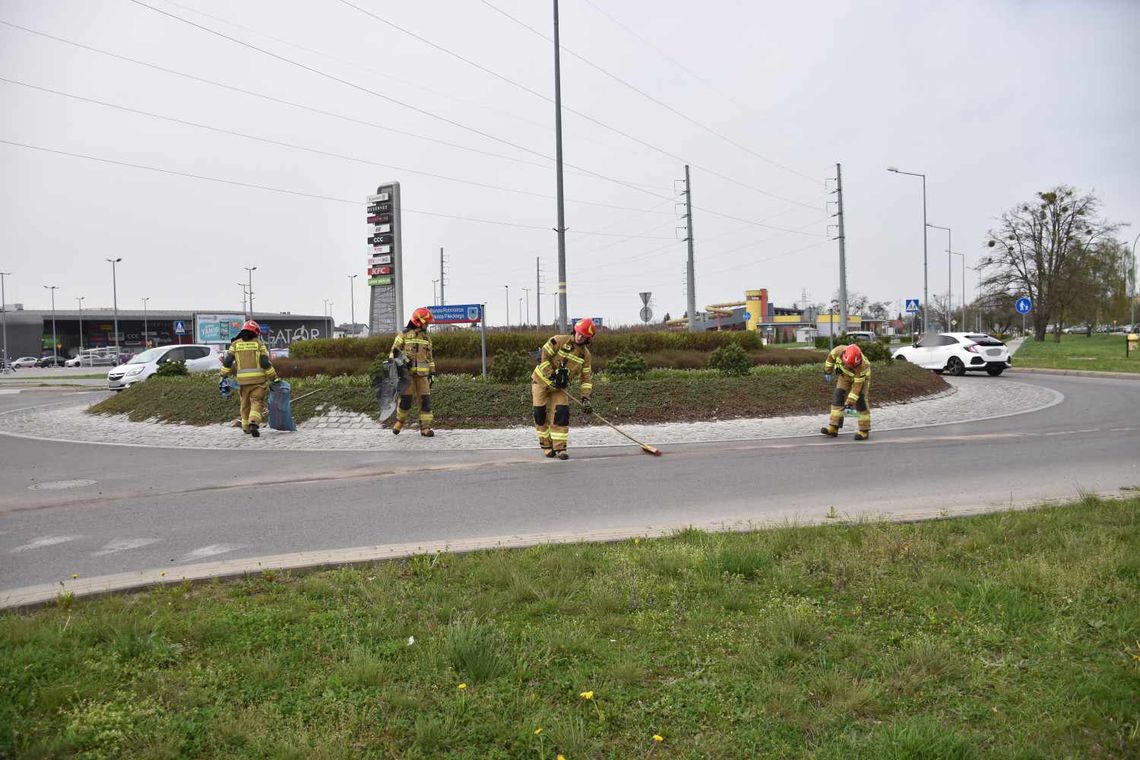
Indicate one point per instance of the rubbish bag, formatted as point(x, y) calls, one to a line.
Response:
point(281, 407)
point(387, 386)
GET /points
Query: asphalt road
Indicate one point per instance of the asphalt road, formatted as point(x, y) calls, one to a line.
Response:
point(162, 508)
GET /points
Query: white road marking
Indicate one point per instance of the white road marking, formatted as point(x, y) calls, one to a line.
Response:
point(9, 391)
point(43, 541)
point(124, 544)
point(209, 551)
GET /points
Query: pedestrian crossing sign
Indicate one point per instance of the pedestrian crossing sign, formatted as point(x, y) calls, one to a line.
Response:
point(912, 305)
point(179, 328)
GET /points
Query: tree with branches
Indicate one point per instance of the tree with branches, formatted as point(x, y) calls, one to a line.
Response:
point(1042, 249)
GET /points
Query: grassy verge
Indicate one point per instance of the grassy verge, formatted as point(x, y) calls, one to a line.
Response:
point(1103, 353)
point(1008, 635)
point(461, 401)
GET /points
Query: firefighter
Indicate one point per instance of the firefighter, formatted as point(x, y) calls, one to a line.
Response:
point(563, 358)
point(247, 360)
point(412, 348)
point(852, 389)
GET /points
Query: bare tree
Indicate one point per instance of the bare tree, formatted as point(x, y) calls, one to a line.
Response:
point(1041, 248)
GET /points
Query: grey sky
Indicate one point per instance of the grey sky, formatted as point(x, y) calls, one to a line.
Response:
point(993, 101)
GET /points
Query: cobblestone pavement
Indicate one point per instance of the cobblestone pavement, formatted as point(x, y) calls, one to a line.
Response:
point(969, 399)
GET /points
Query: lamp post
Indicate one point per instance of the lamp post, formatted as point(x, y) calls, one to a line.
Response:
point(527, 320)
point(520, 312)
point(955, 253)
point(949, 276)
point(115, 296)
point(249, 271)
point(507, 303)
point(1132, 291)
point(243, 292)
point(352, 303)
point(54, 342)
point(4, 317)
point(79, 300)
point(925, 277)
point(146, 344)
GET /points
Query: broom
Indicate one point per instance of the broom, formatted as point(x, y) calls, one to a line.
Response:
point(644, 446)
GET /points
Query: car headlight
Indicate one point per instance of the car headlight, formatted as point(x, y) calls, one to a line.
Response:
point(135, 370)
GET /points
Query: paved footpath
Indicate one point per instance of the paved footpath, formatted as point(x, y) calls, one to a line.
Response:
point(968, 399)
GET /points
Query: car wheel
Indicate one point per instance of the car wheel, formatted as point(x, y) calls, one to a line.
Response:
point(994, 371)
point(955, 367)
point(900, 358)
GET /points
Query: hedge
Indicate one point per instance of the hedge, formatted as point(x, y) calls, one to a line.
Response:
point(466, 344)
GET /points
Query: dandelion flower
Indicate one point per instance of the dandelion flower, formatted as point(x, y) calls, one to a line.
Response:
point(462, 686)
point(561, 757)
point(658, 738)
point(162, 574)
point(587, 695)
point(74, 576)
point(538, 731)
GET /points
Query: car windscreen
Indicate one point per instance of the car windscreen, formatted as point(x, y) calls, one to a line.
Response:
point(985, 340)
point(147, 356)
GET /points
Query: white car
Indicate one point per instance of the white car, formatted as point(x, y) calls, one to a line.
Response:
point(25, 361)
point(957, 353)
point(198, 358)
point(92, 357)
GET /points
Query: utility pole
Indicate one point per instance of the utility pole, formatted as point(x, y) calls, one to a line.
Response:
point(351, 303)
point(441, 277)
point(527, 320)
point(561, 228)
point(842, 249)
point(4, 314)
point(244, 310)
point(250, 271)
point(54, 340)
point(79, 300)
point(115, 296)
point(507, 303)
point(538, 290)
point(146, 345)
point(691, 296)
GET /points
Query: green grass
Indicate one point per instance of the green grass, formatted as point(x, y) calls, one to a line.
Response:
point(1012, 635)
point(1101, 353)
point(462, 401)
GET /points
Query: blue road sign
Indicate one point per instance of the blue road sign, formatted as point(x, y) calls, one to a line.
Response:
point(457, 314)
point(912, 306)
point(179, 328)
point(1024, 305)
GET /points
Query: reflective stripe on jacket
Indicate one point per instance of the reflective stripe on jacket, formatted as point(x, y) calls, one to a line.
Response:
point(248, 361)
point(416, 346)
point(858, 376)
point(561, 351)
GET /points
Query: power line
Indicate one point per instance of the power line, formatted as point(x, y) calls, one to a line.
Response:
point(649, 97)
point(285, 191)
point(697, 77)
point(315, 151)
point(547, 98)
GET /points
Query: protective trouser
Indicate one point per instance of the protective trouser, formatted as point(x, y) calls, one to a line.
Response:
point(551, 415)
point(862, 405)
point(419, 387)
point(253, 404)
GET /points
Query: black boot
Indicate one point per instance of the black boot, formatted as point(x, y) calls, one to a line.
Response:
point(562, 455)
point(253, 430)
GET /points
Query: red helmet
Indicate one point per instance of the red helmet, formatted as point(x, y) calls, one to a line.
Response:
point(421, 317)
point(586, 328)
point(852, 356)
point(252, 326)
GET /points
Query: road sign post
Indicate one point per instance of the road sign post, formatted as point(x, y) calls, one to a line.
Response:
point(1024, 305)
point(464, 314)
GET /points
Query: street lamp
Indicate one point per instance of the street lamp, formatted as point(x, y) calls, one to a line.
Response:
point(925, 277)
point(146, 345)
point(54, 342)
point(521, 323)
point(79, 300)
point(115, 295)
point(507, 301)
point(4, 316)
point(949, 276)
point(527, 320)
point(352, 302)
point(1132, 292)
point(955, 253)
point(249, 271)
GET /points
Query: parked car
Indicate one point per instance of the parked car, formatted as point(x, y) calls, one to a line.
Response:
point(51, 361)
point(198, 358)
point(24, 362)
point(92, 357)
point(862, 336)
point(957, 353)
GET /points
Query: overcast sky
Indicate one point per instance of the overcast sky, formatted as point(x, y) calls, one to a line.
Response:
point(992, 100)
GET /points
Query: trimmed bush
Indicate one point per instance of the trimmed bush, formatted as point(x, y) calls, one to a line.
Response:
point(510, 367)
point(627, 364)
point(876, 351)
point(731, 361)
point(172, 369)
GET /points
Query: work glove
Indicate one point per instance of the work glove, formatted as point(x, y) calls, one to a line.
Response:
point(431, 379)
point(827, 377)
point(224, 387)
point(849, 411)
point(587, 407)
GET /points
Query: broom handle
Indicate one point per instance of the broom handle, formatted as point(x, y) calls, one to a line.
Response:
point(614, 427)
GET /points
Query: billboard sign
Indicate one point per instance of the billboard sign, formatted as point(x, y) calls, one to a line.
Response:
point(379, 260)
point(217, 328)
point(373, 271)
point(380, 281)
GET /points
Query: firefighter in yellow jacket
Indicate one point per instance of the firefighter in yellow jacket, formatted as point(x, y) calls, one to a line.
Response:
point(413, 347)
point(852, 389)
point(563, 358)
point(247, 360)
